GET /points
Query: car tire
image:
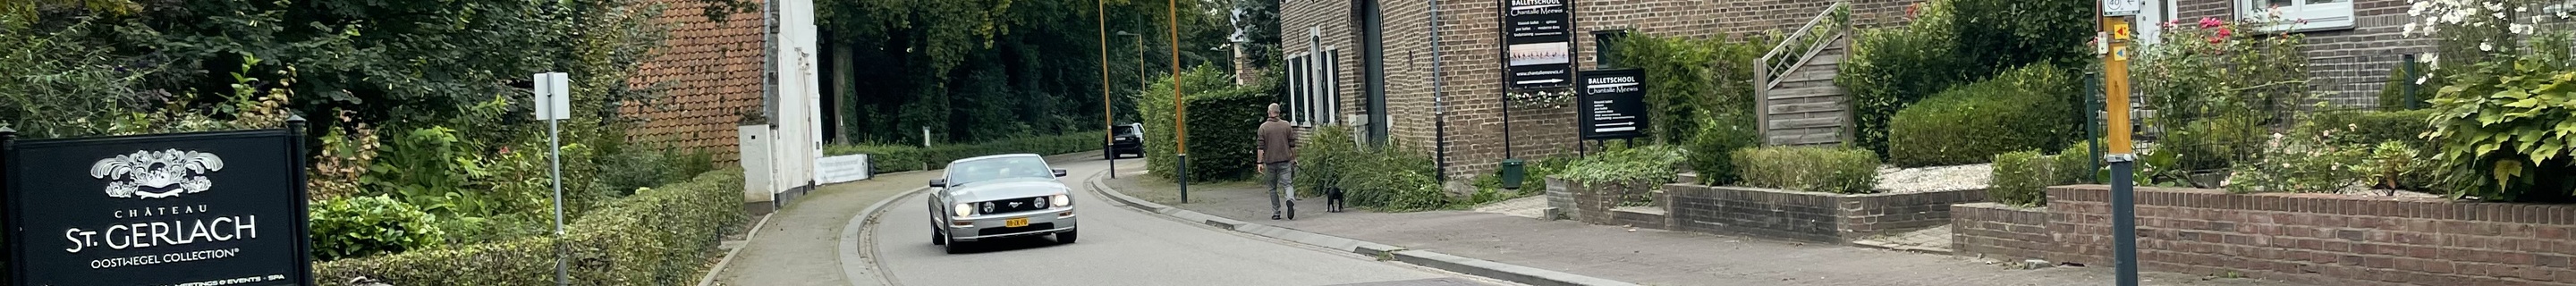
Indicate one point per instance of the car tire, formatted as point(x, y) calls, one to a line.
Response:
point(936, 238)
point(955, 247)
point(1065, 237)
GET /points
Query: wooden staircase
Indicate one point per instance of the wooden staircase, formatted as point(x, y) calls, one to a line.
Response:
point(1794, 85)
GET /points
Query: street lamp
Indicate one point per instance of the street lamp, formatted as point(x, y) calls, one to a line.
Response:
point(1142, 80)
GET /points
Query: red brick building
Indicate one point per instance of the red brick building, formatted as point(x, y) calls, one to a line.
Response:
point(2352, 45)
point(712, 71)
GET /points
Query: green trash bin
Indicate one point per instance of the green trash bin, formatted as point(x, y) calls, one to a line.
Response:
point(1511, 174)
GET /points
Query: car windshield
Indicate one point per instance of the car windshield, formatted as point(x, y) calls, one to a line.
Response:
point(1123, 130)
point(969, 172)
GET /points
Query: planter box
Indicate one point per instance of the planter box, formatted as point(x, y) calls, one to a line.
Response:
point(1808, 216)
point(1767, 213)
point(2310, 238)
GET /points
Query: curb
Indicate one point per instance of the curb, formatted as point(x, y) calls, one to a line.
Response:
point(1904, 248)
point(1426, 258)
point(710, 278)
point(852, 235)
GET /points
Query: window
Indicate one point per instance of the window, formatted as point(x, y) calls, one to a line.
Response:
point(1293, 103)
point(1606, 44)
point(2319, 14)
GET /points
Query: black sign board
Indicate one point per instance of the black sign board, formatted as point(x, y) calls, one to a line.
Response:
point(1613, 104)
point(213, 208)
point(1538, 44)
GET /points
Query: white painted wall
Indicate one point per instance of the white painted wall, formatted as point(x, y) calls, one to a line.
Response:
point(799, 133)
point(756, 183)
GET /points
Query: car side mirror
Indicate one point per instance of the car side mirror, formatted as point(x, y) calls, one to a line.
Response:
point(938, 183)
point(1059, 173)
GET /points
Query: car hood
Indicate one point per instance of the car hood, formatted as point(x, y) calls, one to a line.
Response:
point(1006, 189)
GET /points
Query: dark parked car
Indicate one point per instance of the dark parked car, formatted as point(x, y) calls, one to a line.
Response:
point(1130, 139)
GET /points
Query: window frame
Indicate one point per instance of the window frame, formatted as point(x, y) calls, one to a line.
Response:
point(2320, 16)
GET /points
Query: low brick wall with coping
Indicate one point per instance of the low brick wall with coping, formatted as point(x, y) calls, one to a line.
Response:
point(1769, 213)
point(2321, 239)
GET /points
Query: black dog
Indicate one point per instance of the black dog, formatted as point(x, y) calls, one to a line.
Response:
point(1332, 200)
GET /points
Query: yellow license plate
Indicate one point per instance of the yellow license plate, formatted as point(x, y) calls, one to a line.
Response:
point(1017, 222)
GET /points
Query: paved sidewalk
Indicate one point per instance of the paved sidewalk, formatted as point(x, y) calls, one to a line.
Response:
point(798, 245)
point(1645, 256)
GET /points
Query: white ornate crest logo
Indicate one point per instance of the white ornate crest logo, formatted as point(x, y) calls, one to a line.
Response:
point(151, 175)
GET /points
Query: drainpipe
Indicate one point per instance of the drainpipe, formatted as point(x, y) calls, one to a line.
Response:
point(1439, 107)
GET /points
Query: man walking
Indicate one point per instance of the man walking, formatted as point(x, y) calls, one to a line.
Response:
point(1278, 149)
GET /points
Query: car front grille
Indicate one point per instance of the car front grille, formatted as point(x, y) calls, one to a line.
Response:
point(1004, 206)
point(1034, 227)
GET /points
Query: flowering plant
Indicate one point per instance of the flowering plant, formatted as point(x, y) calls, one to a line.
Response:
point(1542, 99)
point(2501, 117)
point(2209, 79)
point(2305, 163)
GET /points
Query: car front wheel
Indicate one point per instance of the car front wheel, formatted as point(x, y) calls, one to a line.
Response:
point(935, 238)
point(1064, 237)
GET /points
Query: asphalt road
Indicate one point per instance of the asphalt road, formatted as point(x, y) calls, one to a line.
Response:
point(1122, 246)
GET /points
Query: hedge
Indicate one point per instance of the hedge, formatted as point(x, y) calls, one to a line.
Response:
point(899, 158)
point(2021, 110)
point(1809, 168)
point(1891, 68)
point(659, 236)
point(1222, 119)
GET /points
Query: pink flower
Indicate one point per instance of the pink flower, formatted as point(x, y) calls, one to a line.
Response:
point(2223, 32)
point(2216, 39)
point(1911, 8)
point(2208, 22)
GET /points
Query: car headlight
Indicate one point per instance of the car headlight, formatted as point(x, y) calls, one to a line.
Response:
point(1061, 200)
point(965, 210)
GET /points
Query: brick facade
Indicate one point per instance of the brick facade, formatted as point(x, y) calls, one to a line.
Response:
point(1767, 213)
point(713, 71)
point(2321, 239)
point(2350, 64)
point(1470, 58)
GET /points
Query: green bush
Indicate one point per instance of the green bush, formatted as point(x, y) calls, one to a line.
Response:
point(1387, 178)
point(1891, 68)
point(2020, 178)
point(1222, 121)
point(1809, 168)
point(1689, 78)
point(2370, 127)
point(2003, 34)
point(900, 158)
point(659, 236)
point(362, 226)
point(2076, 164)
point(2392, 96)
point(1652, 164)
point(1710, 149)
point(624, 170)
point(2025, 109)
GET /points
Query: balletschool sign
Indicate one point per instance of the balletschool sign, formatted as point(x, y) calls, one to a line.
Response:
point(214, 208)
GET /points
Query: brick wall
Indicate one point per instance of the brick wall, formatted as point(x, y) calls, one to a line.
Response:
point(1871, 214)
point(713, 69)
point(2311, 238)
point(1763, 213)
point(2006, 232)
point(1808, 216)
